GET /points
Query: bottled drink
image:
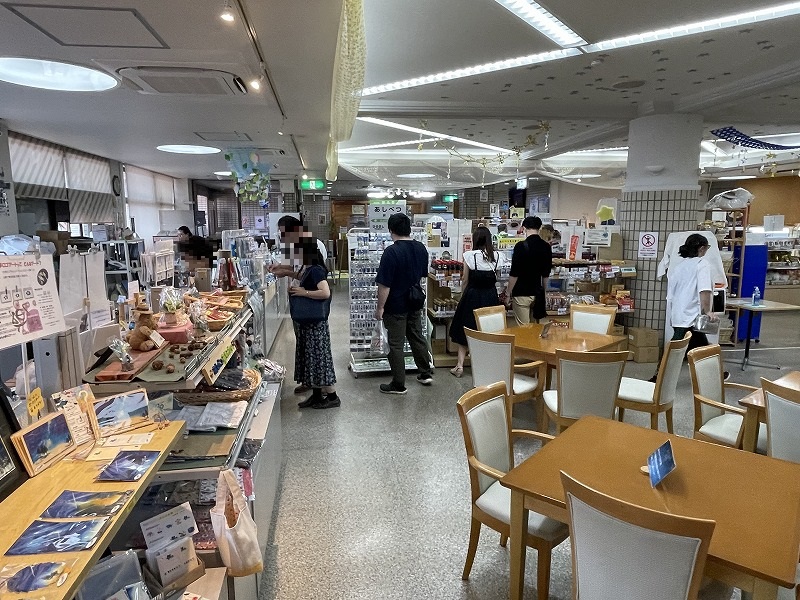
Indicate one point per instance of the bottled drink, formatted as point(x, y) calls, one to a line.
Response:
point(756, 296)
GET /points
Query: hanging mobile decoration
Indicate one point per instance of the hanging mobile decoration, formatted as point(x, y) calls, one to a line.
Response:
point(250, 176)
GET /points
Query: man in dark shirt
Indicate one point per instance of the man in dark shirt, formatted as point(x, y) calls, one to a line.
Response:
point(403, 264)
point(531, 263)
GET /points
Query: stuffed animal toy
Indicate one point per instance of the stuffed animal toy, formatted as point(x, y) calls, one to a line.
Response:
point(146, 323)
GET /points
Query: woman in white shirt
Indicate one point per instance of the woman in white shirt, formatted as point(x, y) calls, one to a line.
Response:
point(479, 289)
point(689, 289)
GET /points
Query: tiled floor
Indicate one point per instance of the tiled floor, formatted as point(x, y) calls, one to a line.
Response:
point(375, 496)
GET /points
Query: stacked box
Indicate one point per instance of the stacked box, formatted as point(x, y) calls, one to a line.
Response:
point(643, 344)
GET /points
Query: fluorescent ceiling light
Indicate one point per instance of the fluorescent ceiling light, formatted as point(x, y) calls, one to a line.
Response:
point(443, 136)
point(735, 177)
point(187, 149)
point(377, 195)
point(499, 65)
point(584, 176)
point(755, 16)
point(255, 84)
point(389, 145)
point(223, 173)
point(415, 175)
point(51, 75)
point(543, 22)
point(423, 194)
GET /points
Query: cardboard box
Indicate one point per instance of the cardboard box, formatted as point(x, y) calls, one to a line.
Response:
point(617, 330)
point(644, 354)
point(642, 336)
point(52, 236)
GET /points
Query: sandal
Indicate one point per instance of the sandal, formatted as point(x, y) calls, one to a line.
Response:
point(457, 371)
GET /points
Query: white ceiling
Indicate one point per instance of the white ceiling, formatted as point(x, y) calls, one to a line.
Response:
point(747, 76)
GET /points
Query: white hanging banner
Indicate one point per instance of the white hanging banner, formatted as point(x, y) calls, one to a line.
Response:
point(381, 210)
point(29, 303)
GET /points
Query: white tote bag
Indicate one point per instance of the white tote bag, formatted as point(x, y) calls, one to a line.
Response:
point(235, 529)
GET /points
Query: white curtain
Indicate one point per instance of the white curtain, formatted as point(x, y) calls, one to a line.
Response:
point(147, 193)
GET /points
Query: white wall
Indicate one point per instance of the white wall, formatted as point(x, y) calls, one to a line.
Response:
point(571, 201)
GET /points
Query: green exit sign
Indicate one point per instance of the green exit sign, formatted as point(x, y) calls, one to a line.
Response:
point(450, 198)
point(312, 184)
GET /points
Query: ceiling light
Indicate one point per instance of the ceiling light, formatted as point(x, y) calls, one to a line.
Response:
point(377, 195)
point(255, 84)
point(223, 173)
point(280, 133)
point(584, 176)
point(543, 22)
point(755, 16)
point(415, 175)
point(500, 65)
point(51, 75)
point(305, 176)
point(735, 177)
point(443, 136)
point(188, 149)
point(389, 145)
point(423, 194)
point(227, 12)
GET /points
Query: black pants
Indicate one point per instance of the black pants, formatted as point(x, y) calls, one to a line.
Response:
point(698, 339)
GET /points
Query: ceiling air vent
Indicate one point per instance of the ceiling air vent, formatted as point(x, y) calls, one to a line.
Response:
point(184, 81)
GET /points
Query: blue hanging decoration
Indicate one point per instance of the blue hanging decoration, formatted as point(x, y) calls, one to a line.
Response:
point(249, 174)
point(737, 138)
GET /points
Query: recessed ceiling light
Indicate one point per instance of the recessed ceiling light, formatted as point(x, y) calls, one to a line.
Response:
point(305, 176)
point(415, 175)
point(543, 22)
point(227, 13)
point(255, 84)
point(735, 177)
point(584, 176)
point(280, 133)
point(223, 173)
point(52, 75)
point(187, 149)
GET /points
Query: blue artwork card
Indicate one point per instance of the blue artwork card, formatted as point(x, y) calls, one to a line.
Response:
point(661, 463)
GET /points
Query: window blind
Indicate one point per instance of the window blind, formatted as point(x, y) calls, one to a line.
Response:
point(37, 167)
point(89, 188)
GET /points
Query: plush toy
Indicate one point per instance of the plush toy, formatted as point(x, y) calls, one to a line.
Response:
point(146, 323)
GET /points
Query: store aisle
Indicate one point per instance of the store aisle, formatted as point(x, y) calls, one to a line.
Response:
point(375, 494)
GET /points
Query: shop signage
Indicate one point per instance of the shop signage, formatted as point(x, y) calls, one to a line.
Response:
point(648, 244)
point(312, 184)
point(600, 236)
point(381, 210)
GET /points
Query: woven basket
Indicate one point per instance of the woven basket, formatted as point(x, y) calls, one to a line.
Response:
point(195, 397)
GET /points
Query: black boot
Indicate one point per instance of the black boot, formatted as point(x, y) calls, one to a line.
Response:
point(313, 400)
point(331, 401)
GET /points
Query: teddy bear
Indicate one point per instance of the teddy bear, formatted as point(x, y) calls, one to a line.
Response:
point(146, 324)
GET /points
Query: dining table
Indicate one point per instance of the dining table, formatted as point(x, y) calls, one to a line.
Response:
point(753, 499)
point(529, 344)
point(756, 409)
point(764, 306)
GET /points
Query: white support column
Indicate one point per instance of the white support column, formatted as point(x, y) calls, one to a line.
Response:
point(9, 224)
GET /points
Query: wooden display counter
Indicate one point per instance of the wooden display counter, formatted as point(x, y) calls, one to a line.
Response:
point(25, 505)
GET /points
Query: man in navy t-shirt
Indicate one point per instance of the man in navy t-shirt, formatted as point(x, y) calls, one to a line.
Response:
point(403, 264)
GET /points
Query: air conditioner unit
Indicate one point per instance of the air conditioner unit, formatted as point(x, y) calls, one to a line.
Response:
point(184, 81)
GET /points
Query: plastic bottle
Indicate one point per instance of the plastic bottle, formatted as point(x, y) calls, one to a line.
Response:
point(756, 296)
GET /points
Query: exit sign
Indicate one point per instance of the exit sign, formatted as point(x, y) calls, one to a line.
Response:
point(312, 184)
point(450, 198)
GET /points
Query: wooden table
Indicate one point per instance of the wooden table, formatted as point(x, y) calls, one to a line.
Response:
point(528, 344)
point(754, 499)
point(36, 494)
point(764, 306)
point(756, 410)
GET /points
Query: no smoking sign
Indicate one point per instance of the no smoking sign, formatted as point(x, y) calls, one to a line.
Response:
point(648, 244)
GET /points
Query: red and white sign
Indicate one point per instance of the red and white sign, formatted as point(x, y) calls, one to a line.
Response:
point(648, 244)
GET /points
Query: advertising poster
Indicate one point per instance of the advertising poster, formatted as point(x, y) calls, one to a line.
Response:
point(29, 304)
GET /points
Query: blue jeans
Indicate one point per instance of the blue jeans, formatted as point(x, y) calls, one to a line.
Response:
point(401, 327)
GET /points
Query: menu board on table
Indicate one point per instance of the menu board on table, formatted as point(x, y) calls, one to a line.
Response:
point(381, 210)
point(29, 303)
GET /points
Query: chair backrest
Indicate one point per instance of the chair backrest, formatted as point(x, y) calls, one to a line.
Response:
point(490, 319)
point(492, 358)
point(588, 382)
point(592, 318)
point(621, 550)
point(669, 370)
point(486, 425)
point(783, 421)
point(707, 374)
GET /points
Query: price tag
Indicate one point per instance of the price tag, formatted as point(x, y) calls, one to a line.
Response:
point(35, 402)
point(157, 338)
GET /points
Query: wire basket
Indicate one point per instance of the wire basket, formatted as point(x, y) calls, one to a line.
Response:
point(196, 397)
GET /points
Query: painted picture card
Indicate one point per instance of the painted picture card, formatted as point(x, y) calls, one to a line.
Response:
point(129, 465)
point(20, 579)
point(121, 413)
point(43, 537)
point(6, 463)
point(44, 442)
point(72, 505)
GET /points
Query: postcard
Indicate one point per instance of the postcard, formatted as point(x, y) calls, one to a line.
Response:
point(661, 463)
point(119, 414)
point(43, 537)
point(103, 453)
point(6, 464)
point(44, 442)
point(75, 403)
point(129, 465)
point(172, 561)
point(168, 526)
point(133, 439)
point(71, 505)
point(20, 579)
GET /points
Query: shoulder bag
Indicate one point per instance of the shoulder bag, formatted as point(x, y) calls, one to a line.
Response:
point(307, 310)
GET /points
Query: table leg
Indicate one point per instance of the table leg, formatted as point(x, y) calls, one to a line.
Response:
point(746, 357)
point(750, 435)
point(519, 517)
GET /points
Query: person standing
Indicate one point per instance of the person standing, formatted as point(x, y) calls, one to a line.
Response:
point(478, 284)
point(689, 290)
point(402, 265)
point(531, 263)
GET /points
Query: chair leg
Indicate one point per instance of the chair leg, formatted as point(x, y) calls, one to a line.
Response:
point(503, 540)
point(668, 415)
point(620, 414)
point(654, 421)
point(474, 535)
point(543, 573)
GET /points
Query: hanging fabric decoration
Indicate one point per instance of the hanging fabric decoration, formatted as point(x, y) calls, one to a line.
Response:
point(250, 176)
point(736, 137)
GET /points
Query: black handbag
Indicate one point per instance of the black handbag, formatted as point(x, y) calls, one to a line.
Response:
point(308, 310)
point(416, 297)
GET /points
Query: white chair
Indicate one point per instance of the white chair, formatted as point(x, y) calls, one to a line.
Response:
point(587, 384)
point(621, 550)
point(592, 318)
point(658, 397)
point(490, 319)
point(715, 421)
point(485, 416)
point(783, 421)
point(493, 360)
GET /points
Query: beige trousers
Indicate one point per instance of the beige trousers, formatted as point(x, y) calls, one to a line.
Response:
point(523, 309)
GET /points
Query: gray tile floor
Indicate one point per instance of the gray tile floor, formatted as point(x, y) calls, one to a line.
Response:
point(375, 494)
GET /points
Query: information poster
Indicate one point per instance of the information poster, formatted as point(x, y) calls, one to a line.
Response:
point(648, 244)
point(381, 210)
point(29, 304)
